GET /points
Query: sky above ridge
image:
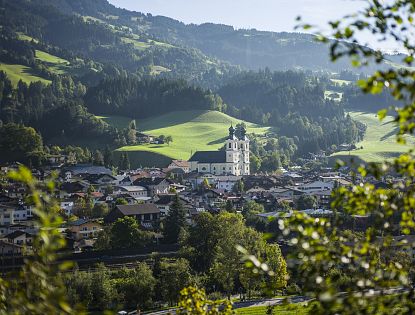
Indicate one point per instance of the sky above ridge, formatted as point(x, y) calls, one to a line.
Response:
point(268, 15)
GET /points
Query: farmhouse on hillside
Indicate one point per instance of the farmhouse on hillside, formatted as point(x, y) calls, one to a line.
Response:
point(233, 161)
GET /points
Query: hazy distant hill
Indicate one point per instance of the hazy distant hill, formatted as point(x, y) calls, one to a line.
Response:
point(250, 49)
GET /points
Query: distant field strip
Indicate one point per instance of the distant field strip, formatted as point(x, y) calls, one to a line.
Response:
point(379, 142)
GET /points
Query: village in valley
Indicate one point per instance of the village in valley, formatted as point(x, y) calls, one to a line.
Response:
point(93, 197)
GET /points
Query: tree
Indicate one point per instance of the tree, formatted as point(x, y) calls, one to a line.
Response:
point(226, 267)
point(239, 187)
point(121, 201)
point(103, 241)
point(306, 202)
point(100, 210)
point(98, 158)
point(126, 233)
point(173, 277)
point(168, 140)
point(194, 301)
point(124, 162)
point(138, 287)
point(108, 159)
point(229, 206)
point(20, 143)
point(279, 277)
point(131, 136)
point(83, 207)
point(175, 221)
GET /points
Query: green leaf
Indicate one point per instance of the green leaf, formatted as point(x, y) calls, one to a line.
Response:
point(382, 114)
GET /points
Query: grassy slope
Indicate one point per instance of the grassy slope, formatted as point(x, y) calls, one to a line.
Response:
point(119, 122)
point(379, 142)
point(191, 131)
point(19, 72)
point(54, 63)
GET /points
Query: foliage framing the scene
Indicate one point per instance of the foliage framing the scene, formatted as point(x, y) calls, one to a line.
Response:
point(378, 279)
point(38, 288)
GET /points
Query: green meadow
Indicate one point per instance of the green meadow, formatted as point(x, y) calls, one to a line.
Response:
point(290, 309)
point(191, 131)
point(379, 142)
point(54, 63)
point(19, 72)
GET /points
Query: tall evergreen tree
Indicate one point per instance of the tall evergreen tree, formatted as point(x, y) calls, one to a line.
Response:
point(108, 161)
point(98, 158)
point(124, 162)
point(175, 221)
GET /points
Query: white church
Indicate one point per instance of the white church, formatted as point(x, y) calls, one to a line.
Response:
point(233, 161)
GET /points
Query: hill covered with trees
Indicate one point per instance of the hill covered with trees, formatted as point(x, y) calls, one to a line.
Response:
point(65, 62)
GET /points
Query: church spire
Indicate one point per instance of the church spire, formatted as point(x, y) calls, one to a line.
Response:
point(231, 132)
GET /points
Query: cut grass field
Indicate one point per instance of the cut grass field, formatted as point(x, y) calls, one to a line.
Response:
point(379, 142)
point(291, 309)
point(191, 131)
point(19, 72)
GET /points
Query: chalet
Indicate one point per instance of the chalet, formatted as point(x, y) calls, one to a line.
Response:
point(84, 229)
point(20, 238)
point(145, 214)
point(154, 186)
point(21, 213)
point(316, 186)
point(100, 179)
point(195, 180)
point(69, 188)
point(144, 138)
point(76, 170)
point(227, 182)
point(133, 191)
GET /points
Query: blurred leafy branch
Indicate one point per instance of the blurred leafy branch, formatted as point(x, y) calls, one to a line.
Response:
point(37, 288)
point(378, 279)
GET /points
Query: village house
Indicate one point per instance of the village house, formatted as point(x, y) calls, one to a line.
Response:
point(133, 191)
point(146, 214)
point(179, 164)
point(316, 186)
point(19, 238)
point(154, 186)
point(67, 206)
point(227, 182)
point(194, 180)
point(84, 229)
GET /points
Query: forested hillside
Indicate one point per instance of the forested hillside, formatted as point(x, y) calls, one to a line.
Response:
point(64, 62)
